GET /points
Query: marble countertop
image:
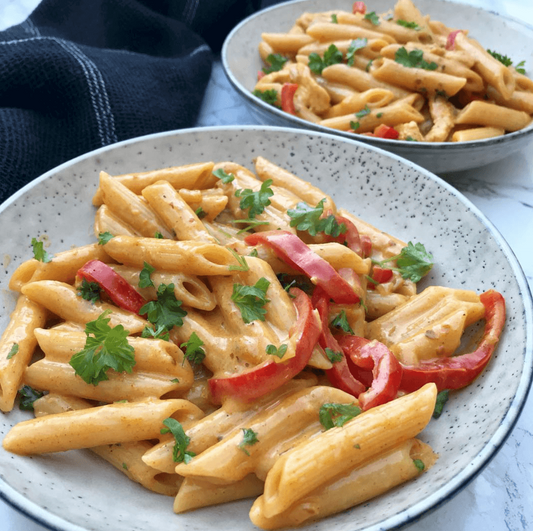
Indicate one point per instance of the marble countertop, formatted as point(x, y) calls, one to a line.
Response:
point(501, 497)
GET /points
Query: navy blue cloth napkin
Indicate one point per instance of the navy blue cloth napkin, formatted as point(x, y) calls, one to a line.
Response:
point(81, 74)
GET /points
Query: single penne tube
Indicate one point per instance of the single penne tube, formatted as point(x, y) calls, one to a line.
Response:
point(324, 457)
point(212, 201)
point(285, 426)
point(125, 457)
point(286, 43)
point(490, 69)
point(521, 100)
point(109, 424)
point(389, 71)
point(17, 345)
point(428, 325)
point(131, 208)
point(443, 116)
point(379, 475)
point(106, 221)
point(63, 300)
point(193, 176)
point(196, 493)
point(196, 258)
point(175, 212)
point(330, 32)
point(340, 256)
point(391, 115)
point(483, 113)
point(189, 289)
point(372, 98)
point(309, 193)
point(211, 429)
point(360, 80)
point(63, 266)
point(477, 133)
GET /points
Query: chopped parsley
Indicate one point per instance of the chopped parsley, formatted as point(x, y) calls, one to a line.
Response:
point(251, 299)
point(419, 464)
point(356, 44)
point(166, 311)
point(90, 291)
point(200, 212)
point(307, 218)
point(14, 350)
point(249, 439)
point(269, 96)
point(145, 280)
point(275, 62)
point(333, 356)
point(255, 202)
point(193, 349)
point(507, 61)
point(336, 415)
point(332, 56)
point(413, 263)
point(413, 59)
point(411, 139)
point(181, 441)
point(275, 351)
point(442, 398)
point(341, 321)
point(158, 236)
point(104, 237)
point(410, 25)
point(334, 19)
point(368, 65)
point(243, 264)
point(38, 251)
point(250, 224)
point(28, 395)
point(105, 348)
point(363, 112)
point(354, 126)
point(223, 176)
point(372, 17)
point(160, 333)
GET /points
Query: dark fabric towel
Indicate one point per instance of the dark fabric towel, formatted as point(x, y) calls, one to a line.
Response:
point(81, 74)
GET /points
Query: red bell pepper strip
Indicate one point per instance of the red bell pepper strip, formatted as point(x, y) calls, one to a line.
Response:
point(270, 375)
point(366, 244)
point(115, 286)
point(385, 131)
point(359, 7)
point(339, 375)
point(350, 236)
point(386, 369)
point(459, 371)
point(450, 41)
point(287, 97)
point(380, 276)
point(294, 252)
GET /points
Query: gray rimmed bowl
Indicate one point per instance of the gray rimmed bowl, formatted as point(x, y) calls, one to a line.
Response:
point(76, 491)
point(241, 62)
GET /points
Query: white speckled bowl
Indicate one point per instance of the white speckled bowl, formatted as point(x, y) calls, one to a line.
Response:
point(77, 491)
point(241, 63)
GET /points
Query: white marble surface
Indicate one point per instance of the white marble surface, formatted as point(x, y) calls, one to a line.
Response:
point(501, 497)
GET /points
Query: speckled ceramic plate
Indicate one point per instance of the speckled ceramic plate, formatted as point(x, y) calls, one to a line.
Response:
point(513, 38)
point(77, 491)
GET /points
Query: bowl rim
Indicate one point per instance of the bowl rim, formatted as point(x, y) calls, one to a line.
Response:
point(295, 121)
point(422, 508)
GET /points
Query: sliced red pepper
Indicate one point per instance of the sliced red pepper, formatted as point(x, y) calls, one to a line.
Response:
point(339, 375)
point(385, 131)
point(450, 41)
point(270, 375)
point(359, 7)
point(287, 97)
point(294, 252)
point(366, 244)
point(380, 276)
point(115, 286)
point(386, 369)
point(459, 371)
point(351, 236)
point(260, 75)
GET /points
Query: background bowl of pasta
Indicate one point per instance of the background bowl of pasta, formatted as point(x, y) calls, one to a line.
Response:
point(77, 490)
point(364, 74)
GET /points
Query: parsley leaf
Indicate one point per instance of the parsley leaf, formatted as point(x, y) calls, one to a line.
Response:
point(249, 439)
point(104, 237)
point(507, 61)
point(38, 251)
point(442, 398)
point(159, 236)
point(410, 25)
point(334, 19)
point(356, 44)
point(144, 277)
point(308, 218)
point(354, 125)
point(243, 264)
point(250, 224)
point(179, 452)
point(419, 464)
point(332, 56)
point(223, 176)
point(276, 62)
point(373, 17)
point(251, 299)
point(166, 311)
point(90, 291)
point(520, 67)
point(269, 96)
point(336, 415)
point(193, 349)
point(28, 395)
point(341, 321)
point(105, 348)
point(274, 351)
point(413, 59)
point(363, 112)
point(333, 356)
point(413, 262)
point(14, 350)
point(200, 212)
point(160, 333)
point(255, 201)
